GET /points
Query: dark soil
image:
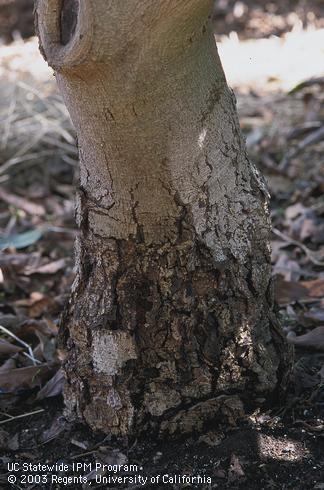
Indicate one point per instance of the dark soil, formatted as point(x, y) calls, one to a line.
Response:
point(262, 453)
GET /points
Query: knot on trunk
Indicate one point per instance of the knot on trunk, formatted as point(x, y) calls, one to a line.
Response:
point(69, 19)
point(65, 31)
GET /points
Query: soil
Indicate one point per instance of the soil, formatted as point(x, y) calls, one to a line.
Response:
point(264, 452)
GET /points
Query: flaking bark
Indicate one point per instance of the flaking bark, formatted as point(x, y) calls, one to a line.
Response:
point(170, 324)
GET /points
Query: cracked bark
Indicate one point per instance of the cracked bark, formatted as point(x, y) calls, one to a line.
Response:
point(171, 322)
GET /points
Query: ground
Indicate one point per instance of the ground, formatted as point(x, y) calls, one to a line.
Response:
point(251, 19)
point(264, 453)
point(281, 445)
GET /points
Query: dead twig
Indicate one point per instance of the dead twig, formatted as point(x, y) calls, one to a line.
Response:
point(317, 428)
point(22, 203)
point(11, 418)
point(307, 83)
point(30, 354)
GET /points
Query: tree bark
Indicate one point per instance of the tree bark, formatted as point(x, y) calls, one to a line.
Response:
point(171, 320)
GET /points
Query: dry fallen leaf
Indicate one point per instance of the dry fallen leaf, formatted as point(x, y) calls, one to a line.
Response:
point(311, 317)
point(7, 348)
point(315, 288)
point(49, 268)
point(295, 210)
point(313, 339)
point(21, 240)
point(14, 380)
point(22, 203)
point(289, 291)
point(59, 425)
point(287, 268)
point(42, 306)
point(32, 326)
point(53, 387)
point(8, 365)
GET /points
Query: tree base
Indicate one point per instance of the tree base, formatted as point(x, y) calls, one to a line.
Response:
point(164, 339)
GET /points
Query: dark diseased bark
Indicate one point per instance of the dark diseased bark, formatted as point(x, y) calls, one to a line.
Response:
point(159, 338)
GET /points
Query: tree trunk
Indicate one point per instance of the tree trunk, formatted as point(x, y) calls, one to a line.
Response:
point(170, 324)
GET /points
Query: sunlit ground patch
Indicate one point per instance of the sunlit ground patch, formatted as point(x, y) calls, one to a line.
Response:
point(281, 448)
point(273, 64)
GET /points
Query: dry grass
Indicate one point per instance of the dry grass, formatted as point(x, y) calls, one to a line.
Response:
point(35, 125)
point(34, 122)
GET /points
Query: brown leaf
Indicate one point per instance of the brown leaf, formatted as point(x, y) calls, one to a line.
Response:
point(295, 210)
point(220, 473)
point(314, 315)
point(13, 380)
point(37, 304)
point(22, 203)
point(49, 268)
point(315, 288)
point(53, 387)
point(308, 228)
point(313, 339)
point(287, 268)
point(44, 332)
point(34, 297)
point(8, 365)
point(42, 306)
point(7, 348)
point(58, 426)
point(18, 262)
point(45, 327)
point(47, 346)
point(289, 291)
point(276, 249)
